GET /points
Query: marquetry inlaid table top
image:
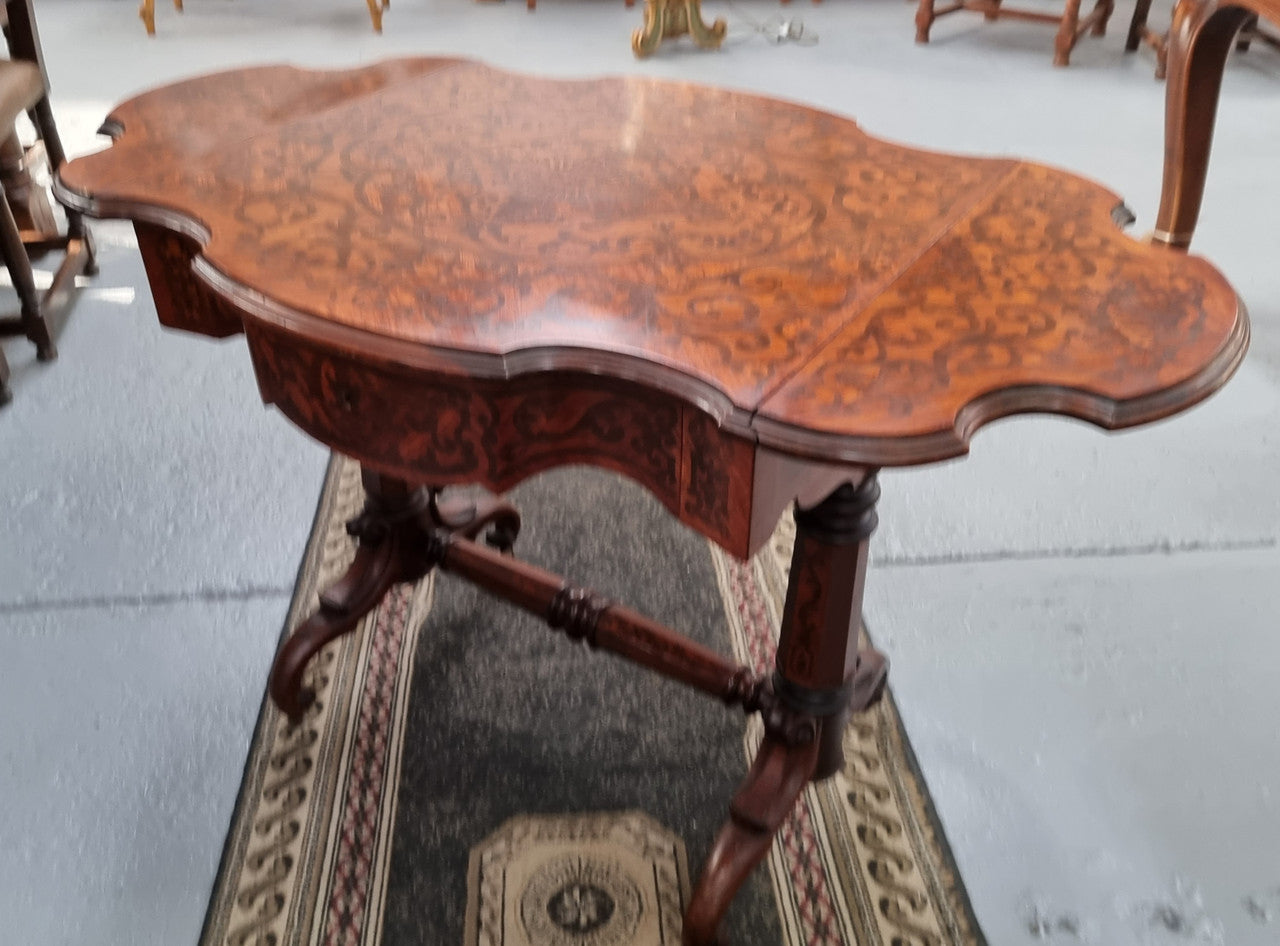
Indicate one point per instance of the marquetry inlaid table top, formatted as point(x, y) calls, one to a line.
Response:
point(786, 280)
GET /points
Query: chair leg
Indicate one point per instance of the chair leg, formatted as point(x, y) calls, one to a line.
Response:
point(1138, 25)
point(6, 395)
point(1107, 7)
point(924, 20)
point(1245, 36)
point(42, 118)
point(1067, 34)
point(29, 203)
point(15, 258)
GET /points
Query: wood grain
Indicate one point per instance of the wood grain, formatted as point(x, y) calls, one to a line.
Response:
point(806, 287)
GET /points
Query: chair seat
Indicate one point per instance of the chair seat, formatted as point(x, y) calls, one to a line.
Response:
point(21, 86)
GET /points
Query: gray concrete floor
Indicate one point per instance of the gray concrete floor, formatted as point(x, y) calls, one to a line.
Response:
point(1081, 624)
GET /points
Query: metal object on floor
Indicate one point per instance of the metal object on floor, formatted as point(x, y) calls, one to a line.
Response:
point(667, 19)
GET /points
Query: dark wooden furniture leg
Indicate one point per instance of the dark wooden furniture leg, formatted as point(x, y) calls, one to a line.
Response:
point(1254, 31)
point(1245, 38)
point(1199, 42)
point(1137, 25)
point(393, 533)
point(28, 201)
point(1140, 33)
point(6, 394)
point(821, 678)
point(28, 229)
point(30, 320)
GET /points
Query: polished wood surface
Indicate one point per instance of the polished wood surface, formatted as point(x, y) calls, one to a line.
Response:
point(459, 275)
point(804, 285)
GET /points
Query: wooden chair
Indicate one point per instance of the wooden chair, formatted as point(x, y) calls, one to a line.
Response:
point(1071, 26)
point(1253, 32)
point(1140, 33)
point(148, 13)
point(28, 228)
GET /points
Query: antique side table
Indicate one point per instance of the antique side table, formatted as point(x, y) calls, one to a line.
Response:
point(458, 275)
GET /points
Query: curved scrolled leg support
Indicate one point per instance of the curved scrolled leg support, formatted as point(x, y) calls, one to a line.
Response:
point(820, 678)
point(778, 775)
point(355, 594)
point(398, 542)
point(376, 568)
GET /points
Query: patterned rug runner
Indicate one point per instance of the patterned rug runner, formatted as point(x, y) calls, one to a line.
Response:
point(469, 777)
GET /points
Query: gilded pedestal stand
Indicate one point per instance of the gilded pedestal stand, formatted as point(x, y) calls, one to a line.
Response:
point(664, 19)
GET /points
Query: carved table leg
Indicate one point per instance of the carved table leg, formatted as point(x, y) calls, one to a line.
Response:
point(821, 678)
point(777, 777)
point(395, 532)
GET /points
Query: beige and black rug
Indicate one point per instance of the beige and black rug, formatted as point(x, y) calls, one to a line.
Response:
point(469, 777)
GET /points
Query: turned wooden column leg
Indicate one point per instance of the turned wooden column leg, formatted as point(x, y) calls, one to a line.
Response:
point(820, 678)
point(397, 543)
point(819, 669)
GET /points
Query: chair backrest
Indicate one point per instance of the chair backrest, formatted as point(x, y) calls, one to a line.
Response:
point(1199, 42)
